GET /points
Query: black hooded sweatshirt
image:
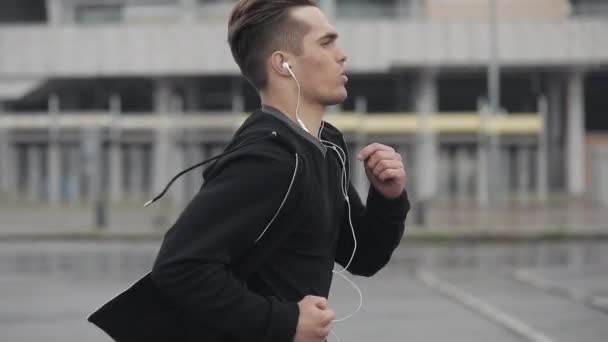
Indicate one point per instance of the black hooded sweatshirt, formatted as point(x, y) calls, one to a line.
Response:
point(276, 206)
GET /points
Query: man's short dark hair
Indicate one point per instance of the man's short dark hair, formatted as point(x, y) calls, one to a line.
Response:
point(259, 27)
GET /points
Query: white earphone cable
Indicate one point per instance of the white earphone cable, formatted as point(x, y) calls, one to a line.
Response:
point(298, 100)
point(344, 188)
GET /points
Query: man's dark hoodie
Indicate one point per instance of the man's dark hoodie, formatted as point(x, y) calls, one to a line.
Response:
point(263, 232)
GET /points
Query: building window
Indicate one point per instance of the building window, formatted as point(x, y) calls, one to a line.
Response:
point(589, 8)
point(208, 2)
point(22, 11)
point(97, 14)
point(368, 8)
point(152, 2)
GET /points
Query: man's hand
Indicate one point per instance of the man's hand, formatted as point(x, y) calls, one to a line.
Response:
point(384, 169)
point(315, 321)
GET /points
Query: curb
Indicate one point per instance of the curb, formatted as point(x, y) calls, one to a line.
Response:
point(410, 236)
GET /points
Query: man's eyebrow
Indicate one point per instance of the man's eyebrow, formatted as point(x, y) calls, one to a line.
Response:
point(329, 36)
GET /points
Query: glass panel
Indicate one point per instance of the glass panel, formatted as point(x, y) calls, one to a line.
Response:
point(151, 2)
point(589, 8)
point(206, 2)
point(367, 8)
point(94, 14)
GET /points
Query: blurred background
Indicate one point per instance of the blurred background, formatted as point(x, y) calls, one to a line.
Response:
point(498, 106)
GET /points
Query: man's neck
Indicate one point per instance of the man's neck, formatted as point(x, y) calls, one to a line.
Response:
point(310, 114)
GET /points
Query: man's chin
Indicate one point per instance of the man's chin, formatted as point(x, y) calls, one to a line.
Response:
point(336, 100)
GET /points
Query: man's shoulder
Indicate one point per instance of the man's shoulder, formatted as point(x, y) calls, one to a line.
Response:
point(255, 147)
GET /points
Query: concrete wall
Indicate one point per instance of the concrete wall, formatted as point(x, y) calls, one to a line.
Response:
point(373, 45)
point(506, 9)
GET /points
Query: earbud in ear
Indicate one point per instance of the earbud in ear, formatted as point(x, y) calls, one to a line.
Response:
point(286, 66)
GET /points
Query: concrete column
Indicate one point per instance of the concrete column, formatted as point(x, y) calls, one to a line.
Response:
point(7, 165)
point(54, 12)
point(523, 171)
point(555, 131)
point(463, 172)
point(445, 172)
point(4, 165)
point(136, 167)
point(192, 180)
point(75, 173)
point(576, 134)
point(54, 172)
point(427, 150)
point(162, 142)
point(483, 189)
point(496, 169)
point(64, 183)
point(202, 154)
point(483, 192)
point(162, 96)
point(542, 174)
point(180, 190)
point(130, 170)
point(599, 174)
point(115, 176)
point(92, 163)
point(505, 170)
point(178, 152)
point(54, 157)
point(34, 176)
point(116, 190)
point(357, 168)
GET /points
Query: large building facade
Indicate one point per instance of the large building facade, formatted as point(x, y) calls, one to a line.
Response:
point(111, 97)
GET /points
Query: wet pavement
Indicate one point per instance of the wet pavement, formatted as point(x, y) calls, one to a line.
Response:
point(429, 292)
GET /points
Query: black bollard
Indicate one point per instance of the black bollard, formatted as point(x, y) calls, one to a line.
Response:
point(101, 214)
point(420, 213)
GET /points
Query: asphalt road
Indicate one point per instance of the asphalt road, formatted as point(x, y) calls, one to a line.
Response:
point(47, 289)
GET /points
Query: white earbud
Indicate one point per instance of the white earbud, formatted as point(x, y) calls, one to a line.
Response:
point(286, 66)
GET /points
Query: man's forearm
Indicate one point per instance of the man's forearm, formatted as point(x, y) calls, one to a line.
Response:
point(378, 228)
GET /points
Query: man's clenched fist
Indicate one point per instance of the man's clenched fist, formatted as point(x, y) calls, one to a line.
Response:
point(315, 321)
point(384, 169)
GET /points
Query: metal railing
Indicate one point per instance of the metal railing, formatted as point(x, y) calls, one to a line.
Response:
point(378, 123)
point(47, 158)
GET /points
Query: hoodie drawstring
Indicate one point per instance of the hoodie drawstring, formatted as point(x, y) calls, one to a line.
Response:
point(273, 134)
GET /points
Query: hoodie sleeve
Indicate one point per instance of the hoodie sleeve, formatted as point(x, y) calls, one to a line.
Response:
point(218, 226)
point(378, 227)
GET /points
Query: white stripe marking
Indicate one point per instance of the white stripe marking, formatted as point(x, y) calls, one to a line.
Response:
point(491, 312)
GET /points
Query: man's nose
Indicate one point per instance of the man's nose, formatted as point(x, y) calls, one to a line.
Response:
point(342, 56)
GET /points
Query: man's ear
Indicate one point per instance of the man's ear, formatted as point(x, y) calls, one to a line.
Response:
point(276, 63)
